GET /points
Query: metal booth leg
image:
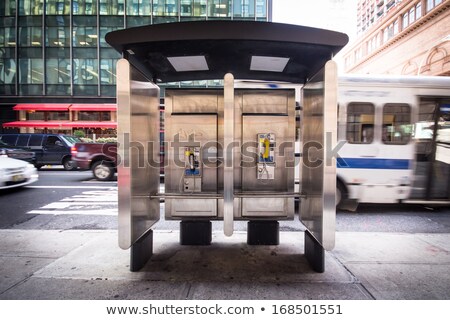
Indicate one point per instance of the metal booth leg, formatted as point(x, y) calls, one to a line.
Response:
point(195, 233)
point(263, 233)
point(314, 252)
point(141, 251)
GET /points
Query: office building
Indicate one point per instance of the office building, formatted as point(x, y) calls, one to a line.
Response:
point(409, 37)
point(57, 73)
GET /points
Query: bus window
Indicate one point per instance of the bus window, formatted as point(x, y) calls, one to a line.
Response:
point(360, 120)
point(397, 128)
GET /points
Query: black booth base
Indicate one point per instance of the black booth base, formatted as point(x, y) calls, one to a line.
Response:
point(314, 252)
point(265, 233)
point(195, 233)
point(141, 251)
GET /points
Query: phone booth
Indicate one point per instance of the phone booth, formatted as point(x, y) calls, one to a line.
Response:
point(229, 152)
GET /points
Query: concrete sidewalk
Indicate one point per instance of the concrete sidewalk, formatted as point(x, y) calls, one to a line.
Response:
point(80, 264)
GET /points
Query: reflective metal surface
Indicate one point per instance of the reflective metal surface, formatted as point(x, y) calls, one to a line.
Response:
point(266, 112)
point(228, 158)
point(138, 149)
point(191, 123)
point(318, 169)
point(227, 125)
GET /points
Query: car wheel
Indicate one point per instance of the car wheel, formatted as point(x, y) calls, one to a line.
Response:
point(68, 164)
point(103, 171)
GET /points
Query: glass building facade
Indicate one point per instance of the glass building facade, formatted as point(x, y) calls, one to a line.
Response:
point(56, 48)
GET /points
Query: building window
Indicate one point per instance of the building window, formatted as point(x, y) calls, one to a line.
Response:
point(31, 7)
point(397, 128)
point(418, 10)
point(85, 71)
point(94, 116)
point(432, 3)
point(412, 15)
point(139, 7)
point(373, 44)
point(30, 36)
point(360, 121)
point(358, 54)
point(57, 36)
point(35, 115)
point(84, 7)
point(219, 8)
point(244, 9)
point(85, 37)
point(108, 71)
point(7, 75)
point(57, 7)
point(7, 8)
point(31, 71)
point(405, 21)
point(58, 115)
point(112, 7)
point(261, 9)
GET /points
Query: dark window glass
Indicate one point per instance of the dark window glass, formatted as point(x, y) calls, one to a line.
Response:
point(397, 128)
point(35, 115)
point(35, 141)
point(63, 115)
point(360, 122)
point(22, 141)
point(11, 140)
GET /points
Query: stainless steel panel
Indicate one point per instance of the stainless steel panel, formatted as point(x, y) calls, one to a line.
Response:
point(194, 126)
point(278, 125)
point(265, 207)
point(194, 207)
point(228, 156)
point(267, 111)
point(188, 101)
point(266, 101)
point(138, 148)
point(318, 175)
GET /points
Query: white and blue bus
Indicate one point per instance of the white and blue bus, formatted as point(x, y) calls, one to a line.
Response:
point(397, 134)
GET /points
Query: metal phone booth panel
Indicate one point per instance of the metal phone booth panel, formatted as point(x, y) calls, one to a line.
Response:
point(229, 152)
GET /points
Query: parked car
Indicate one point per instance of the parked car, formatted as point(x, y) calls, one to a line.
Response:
point(101, 158)
point(16, 173)
point(17, 152)
point(49, 149)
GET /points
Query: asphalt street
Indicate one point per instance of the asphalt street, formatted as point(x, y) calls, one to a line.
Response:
point(63, 200)
point(58, 240)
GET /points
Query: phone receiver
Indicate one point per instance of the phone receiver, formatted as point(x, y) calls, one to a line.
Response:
point(266, 149)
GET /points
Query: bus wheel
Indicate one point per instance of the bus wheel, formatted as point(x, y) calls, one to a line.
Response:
point(341, 193)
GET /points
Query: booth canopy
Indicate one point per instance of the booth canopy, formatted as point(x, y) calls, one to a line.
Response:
point(204, 50)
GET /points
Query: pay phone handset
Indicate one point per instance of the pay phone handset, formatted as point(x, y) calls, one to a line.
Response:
point(192, 179)
point(266, 156)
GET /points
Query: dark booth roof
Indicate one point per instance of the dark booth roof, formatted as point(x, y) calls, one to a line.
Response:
point(204, 50)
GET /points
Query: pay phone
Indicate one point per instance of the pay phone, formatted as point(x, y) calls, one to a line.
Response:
point(192, 179)
point(266, 156)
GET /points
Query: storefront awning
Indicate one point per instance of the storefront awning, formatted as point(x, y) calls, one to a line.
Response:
point(61, 124)
point(37, 124)
point(65, 107)
point(93, 107)
point(42, 107)
point(93, 124)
